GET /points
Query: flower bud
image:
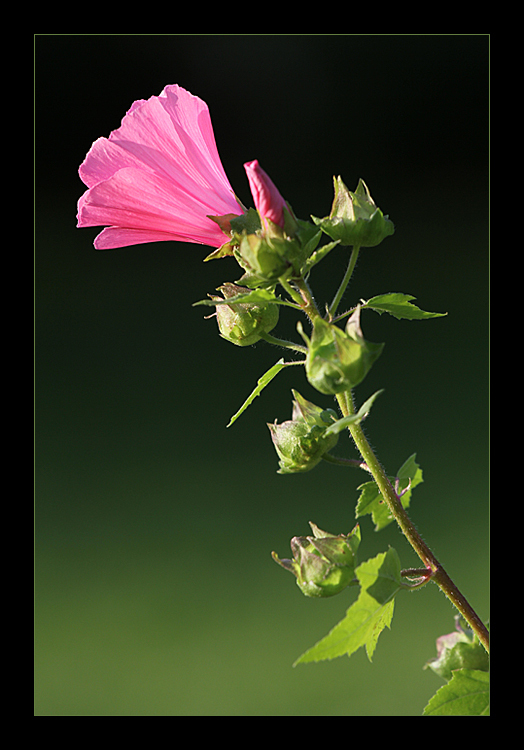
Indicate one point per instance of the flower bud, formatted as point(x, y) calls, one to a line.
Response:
point(242, 323)
point(458, 650)
point(354, 217)
point(323, 564)
point(339, 360)
point(268, 201)
point(262, 256)
point(300, 442)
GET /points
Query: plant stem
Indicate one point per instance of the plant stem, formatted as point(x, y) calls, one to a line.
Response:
point(345, 281)
point(308, 304)
point(439, 575)
point(345, 461)
point(282, 342)
point(302, 295)
point(292, 292)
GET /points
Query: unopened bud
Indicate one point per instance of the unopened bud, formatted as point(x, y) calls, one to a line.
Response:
point(355, 218)
point(301, 442)
point(268, 201)
point(339, 360)
point(324, 563)
point(458, 650)
point(242, 323)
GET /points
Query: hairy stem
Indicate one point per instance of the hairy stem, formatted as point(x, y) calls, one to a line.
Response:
point(283, 342)
point(309, 305)
point(291, 291)
point(345, 281)
point(438, 574)
point(345, 461)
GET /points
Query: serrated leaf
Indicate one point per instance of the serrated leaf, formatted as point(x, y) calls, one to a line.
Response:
point(260, 297)
point(466, 694)
point(364, 410)
point(371, 501)
point(399, 306)
point(410, 470)
point(319, 255)
point(379, 579)
point(261, 384)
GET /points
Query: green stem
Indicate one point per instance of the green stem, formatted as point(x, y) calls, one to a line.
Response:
point(282, 342)
point(309, 306)
point(292, 292)
point(338, 461)
point(345, 281)
point(439, 575)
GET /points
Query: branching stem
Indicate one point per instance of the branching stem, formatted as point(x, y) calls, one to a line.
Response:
point(438, 574)
point(432, 570)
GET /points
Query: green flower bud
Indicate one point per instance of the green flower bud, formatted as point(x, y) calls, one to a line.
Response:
point(458, 650)
point(262, 256)
point(300, 443)
point(241, 323)
point(354, 217)
point(323, 564)
point(339, 360)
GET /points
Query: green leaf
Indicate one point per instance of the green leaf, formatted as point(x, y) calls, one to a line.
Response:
point(466, 694)
point(379, 579)
point(371, 500)
point(248, 222)
point(399, 306)
point(261, 384)
point(260, 297)
point(318, 255)
point(308, 236)
point(409, 470)
point(364, 410)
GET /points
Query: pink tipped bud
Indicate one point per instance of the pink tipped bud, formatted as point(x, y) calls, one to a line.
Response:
point(268, 201)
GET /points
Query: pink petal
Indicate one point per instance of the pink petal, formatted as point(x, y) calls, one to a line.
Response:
point(160, 172)
point(112, 237)
point(135, 199)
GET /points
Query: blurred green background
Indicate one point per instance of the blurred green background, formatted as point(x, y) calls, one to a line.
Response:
point(155, 591)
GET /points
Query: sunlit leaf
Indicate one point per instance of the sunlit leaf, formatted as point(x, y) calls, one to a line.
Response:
point(372, 502)
point(379, 579)
point(261, 384)
point(362, 413)
point(466, 694)
point(399, 306)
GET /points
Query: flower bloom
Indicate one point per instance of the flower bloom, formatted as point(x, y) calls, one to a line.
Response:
point(158, 176)
point(268, 201)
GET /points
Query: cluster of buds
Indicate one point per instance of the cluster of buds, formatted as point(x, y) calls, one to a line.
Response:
point(324, 563)
point(270, 244)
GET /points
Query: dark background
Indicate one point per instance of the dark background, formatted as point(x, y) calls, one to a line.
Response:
point(155, 591)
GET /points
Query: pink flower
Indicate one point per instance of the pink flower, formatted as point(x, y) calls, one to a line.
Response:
point(158, 177)
point(268, 201)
